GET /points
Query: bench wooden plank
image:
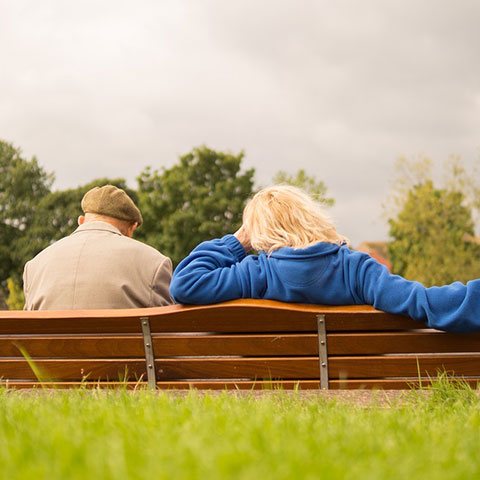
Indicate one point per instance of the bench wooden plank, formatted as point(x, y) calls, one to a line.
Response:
point(77, 325)
point(245, 345)
point(172, 385)
point(65, 346)
point(77, 369)
point(267, 307)
point(244, 315)
point(403, 365)
point(254, 368)
point(429, 341)
point(246, 385)
point(368, 321)
point(385, 384)
point(72, 346)
point(240, 321)
point(392, 384)
point(248, 344)
point(238, 368)
point(159, 324)
point(167, 369)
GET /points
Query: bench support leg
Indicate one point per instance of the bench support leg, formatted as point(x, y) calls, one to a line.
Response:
point(149, 355)
point(322, 352)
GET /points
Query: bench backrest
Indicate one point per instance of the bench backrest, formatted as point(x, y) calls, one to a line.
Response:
point(239, 344)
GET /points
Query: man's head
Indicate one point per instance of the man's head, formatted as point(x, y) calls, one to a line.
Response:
point(111, 204)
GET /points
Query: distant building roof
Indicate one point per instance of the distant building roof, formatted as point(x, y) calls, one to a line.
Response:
point(378, 251)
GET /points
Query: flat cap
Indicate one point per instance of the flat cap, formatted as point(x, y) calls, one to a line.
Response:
point(112, 202)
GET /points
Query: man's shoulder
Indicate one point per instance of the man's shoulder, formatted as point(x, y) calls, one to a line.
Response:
point(87, 242)
point(50, 249)
point(141, 246)
point(114, 241)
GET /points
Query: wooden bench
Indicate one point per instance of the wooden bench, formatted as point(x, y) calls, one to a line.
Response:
point(244, 344)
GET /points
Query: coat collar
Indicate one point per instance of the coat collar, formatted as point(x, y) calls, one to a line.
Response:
point(98, 225)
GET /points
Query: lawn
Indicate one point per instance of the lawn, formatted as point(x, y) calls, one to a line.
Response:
point(120, 435)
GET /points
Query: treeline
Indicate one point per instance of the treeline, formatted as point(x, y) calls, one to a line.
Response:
point(202, 196)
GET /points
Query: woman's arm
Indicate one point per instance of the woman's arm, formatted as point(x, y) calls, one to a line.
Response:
point(217, 271)
point(454, 307)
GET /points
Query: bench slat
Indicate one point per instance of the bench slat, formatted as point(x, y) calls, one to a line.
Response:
point(390, 384)
point(46, 326)
point(403, 365)
point(248, 344)
point(368, 321)
point(79, 346)
point(164, 345)
point(401, 342)
point(172, 385)
point(78, 369)
point(167, 369)
point(267, 368)
point(246, 322)
point(160, 324)
point(255, 368)
point(236, 316)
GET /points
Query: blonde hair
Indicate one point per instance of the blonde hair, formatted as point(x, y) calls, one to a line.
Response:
point(285, 216)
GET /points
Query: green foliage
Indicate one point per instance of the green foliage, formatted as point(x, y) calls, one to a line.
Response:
point(433, 233)
point(120, 435)
point(15, 300)
point(199, 198)
point(3, 298)
point(309, 183)
point(23, 184)
point(8, 238)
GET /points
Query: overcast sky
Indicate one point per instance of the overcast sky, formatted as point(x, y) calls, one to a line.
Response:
point(340, 88)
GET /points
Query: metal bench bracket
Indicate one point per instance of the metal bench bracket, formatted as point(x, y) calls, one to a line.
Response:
point(149, 355)
point(322, 352)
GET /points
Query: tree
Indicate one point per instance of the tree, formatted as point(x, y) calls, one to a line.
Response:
point(7, 246)
point(199, 198)
point(433, 234)
point(23, 184)
point(316, 188)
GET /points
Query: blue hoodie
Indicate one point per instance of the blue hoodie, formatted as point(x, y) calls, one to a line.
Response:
point(324, 273)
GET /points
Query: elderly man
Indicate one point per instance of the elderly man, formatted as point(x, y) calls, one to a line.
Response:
point(99, 265)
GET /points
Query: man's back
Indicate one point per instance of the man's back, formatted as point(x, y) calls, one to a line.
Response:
point(97, 267)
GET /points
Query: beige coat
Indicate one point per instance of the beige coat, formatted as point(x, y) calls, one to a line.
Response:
point(97, 267)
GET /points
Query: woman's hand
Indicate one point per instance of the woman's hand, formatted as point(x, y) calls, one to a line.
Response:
point(243, 237)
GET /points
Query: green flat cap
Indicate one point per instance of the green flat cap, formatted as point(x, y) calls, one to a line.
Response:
point(112, 202)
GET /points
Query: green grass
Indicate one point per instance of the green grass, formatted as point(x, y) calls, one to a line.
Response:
point(120, 435)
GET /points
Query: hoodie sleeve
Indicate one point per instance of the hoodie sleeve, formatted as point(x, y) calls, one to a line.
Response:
point(454, 307)
point(217, 271)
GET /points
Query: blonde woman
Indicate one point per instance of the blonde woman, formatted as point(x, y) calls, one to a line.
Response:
point(303, 259)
